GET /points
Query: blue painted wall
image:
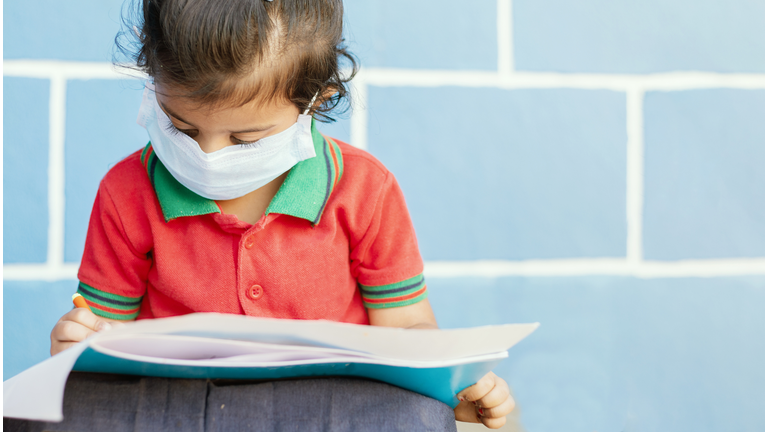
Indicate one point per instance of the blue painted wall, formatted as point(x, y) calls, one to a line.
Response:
point(511, 166)
point(25, 170)
point(639, 36)
point(445, 34)
point(94, 143)
point(492, 174)
point(50, 29)
point(705, 151)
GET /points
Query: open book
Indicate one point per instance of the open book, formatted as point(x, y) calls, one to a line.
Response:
point(436, 363)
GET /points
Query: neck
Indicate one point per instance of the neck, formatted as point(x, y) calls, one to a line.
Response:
point(252, 206)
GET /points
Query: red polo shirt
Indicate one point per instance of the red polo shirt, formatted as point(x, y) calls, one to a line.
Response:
point(336, 239)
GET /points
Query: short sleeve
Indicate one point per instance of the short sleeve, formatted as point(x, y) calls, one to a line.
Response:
point(113, 272)
point(387, 263)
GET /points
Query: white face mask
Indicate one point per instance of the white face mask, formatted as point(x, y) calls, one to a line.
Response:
point(232, 171)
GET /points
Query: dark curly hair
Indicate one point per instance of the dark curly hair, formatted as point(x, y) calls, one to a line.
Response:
point(230, 52)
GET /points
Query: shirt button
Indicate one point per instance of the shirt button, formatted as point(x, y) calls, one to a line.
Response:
point(255, 292)
point(249, 242)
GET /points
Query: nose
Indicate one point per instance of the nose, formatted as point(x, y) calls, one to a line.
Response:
point(210, 144)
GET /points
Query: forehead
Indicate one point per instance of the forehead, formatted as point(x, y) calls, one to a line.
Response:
point(189, 101)
point(180, 105)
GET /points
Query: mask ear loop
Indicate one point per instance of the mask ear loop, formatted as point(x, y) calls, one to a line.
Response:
point(312, 102)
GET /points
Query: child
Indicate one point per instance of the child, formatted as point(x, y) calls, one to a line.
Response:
point(236, 206)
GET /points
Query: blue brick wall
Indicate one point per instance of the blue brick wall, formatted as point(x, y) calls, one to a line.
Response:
point(639, 36)
point(705, 154)
point(477, 161)
point(25, 170)
point(424, 35)
point(532, 168)
point(95, 142)
point(50, 29)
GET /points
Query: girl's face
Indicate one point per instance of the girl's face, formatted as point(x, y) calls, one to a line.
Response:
point(215, 129)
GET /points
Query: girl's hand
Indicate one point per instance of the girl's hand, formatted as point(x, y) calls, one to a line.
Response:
point(487, 402)
point(75, 326)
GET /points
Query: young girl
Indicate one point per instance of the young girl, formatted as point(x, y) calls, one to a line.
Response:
point(238, 204)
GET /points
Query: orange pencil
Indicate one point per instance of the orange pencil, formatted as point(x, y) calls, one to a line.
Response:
point(79, 301)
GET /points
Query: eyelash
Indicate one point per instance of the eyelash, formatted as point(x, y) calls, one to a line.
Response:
point(176, 131)
point(244, 143)
point(173, 129)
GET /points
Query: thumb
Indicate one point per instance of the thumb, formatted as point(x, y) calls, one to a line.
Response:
point(476, 391)
point(466, 412)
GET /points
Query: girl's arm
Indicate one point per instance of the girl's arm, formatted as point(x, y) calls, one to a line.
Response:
point(75, 326)
point(487, 402)
point(416, 316)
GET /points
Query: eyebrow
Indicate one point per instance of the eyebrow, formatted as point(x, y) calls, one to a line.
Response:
point(253, 129)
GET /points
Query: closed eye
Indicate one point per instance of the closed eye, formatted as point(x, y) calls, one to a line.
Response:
point(175, 131)
point(238, 141)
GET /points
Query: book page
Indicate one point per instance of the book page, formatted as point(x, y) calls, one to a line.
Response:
point(219, 340)
point(208, 352)
point(394, 343)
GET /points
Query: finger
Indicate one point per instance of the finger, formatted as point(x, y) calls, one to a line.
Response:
point(478, 390)
point(495, 397)
point(501, 410)
point(466, 412)
point(493, 423)
point(69, 331)
point(87, 318)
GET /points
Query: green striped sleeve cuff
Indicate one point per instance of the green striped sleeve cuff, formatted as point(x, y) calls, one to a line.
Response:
point(108, 305)
point(403, 293)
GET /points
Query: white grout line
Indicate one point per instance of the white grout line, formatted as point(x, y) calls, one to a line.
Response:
point(56, 121)
point(505, 46)
point(500, 268)
point(635, 168)
point(40, 272)
point(669, 81)
point(596, 266)
point(66, 70)
point(358, 128)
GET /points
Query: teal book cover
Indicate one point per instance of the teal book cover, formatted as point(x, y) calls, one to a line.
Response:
point(435, 363)
point(438, 382)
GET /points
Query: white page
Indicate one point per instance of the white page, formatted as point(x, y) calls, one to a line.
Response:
point(38, 392)
point(169, 348)
point(386, 342)
point(202, 352)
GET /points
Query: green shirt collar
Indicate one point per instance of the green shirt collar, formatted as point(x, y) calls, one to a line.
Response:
point(304, 193)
